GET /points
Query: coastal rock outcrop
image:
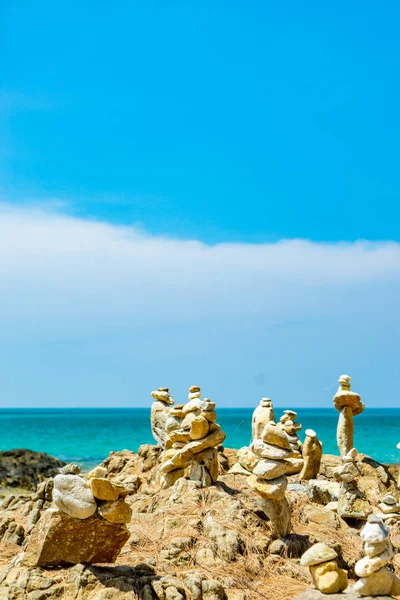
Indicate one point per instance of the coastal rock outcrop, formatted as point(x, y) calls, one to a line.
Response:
point(26, 469)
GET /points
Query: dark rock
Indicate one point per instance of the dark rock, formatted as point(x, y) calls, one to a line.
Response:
point(26, 469)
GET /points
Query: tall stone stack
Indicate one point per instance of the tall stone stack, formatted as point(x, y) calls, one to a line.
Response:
point(268, 478)
point(262, 415)
point(349, 405)
point(87, 525)
point(191, 449)
point(352, 502)
point(159, 414)
point(376, 578)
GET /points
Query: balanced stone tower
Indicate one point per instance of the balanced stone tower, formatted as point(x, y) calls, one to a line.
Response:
point(352, 502)
point(376, 579)
point(312, 454)
point(191, 448)
point(349, 405)
point(268, 478)
point(159, 414)
point(327, 577)
point(262, 415)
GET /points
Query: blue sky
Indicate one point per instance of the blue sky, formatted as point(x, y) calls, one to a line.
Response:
point(159, 160)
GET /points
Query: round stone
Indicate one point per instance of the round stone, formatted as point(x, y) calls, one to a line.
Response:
point(72, 495)
point(317, 554)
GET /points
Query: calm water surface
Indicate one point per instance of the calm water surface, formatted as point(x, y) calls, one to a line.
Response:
point(86, 436)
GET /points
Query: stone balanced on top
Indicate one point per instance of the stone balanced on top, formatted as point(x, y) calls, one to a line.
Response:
point(289, 425)
point(376, 579)
point(192, 442)
point(327, 577)
point(159, 414)
point(268, 478)
point(389, 509)
point(87, 525)
point(349, 405)
point(262, 415)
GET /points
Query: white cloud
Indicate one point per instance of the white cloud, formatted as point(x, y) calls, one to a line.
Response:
point(249, 307)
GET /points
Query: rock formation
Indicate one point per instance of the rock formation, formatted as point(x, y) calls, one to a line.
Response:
point(389, 509)
point(268, 478)
point(312, 454)
point(26, 469)
point(262, 415)
point(191, 447)
point(376, 579)
point(352, 502)
point(349, 405)
point(88, 524)
point(159, 414)
point(327, 577)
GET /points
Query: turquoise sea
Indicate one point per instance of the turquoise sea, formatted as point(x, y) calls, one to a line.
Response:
point(86, 436)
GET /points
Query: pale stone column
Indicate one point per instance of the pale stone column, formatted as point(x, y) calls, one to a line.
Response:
point(312, 454)
point(349, 405)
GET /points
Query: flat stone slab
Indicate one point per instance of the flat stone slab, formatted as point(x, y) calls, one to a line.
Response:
point(314, 594)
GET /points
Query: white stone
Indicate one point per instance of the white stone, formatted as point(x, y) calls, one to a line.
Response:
point(310, 433)
point(374, 530)
point(98, 472)
point(72, 495)
point(270, 469)
point(368, 565)
point(375, 548)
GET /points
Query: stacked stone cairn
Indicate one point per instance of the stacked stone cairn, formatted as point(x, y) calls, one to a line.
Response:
point(327, 577)
point(288, 423)
point(349, 405)
point(376, 578)
point(159, 414)
point(268, 478)
point(389, 509)
point(87, 524)
point(352, 502)
point(193, 437)
point(262, 415)
point(312, 454)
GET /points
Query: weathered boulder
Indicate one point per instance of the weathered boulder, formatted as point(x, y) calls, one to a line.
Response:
point(117, 511)
point(26, 469)
point(59, 539)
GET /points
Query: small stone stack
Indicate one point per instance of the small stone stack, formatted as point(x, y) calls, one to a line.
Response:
point(349, 405)
point(327, 577)
point(263, 414)
point(159, 414)
point(268, 478)
point(291, 427)
point(389, 509)
point(88, 524)
point(191, 448)
point(352, 502)
point(376, 579)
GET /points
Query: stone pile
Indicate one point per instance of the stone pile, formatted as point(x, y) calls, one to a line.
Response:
point(376, 578)
point(389, 509)
point(268, 478)
point(349, 405)
point(262, 415)
point(192, 442)
point(327, 577)
point(312, 454)
point(159, 414)
point(352, 503)
point(87, 524)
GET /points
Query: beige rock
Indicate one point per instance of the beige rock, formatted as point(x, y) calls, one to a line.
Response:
point(194, 388)
point(168, 479)
point(278, 512)
point(270, 469)
point(210, 415)
point(179, 436)
point(116, 512)
point(317, 554)
point(209, 458)
point(264, 450)
point(274, 489)
point(246, 458)
point(272, 434)
point(160, 411)
point(352, 503)
point(189, 418)
point(214, 439)
point(199, 428)
point(103, 489)
point(375, 548)
point(328, 578)
point(98, 472)
point(380, 583)
point(192, 406)
point(312, 454)
point(60, 539)
point(293, 465)
point(263, 414)
point(237, 469)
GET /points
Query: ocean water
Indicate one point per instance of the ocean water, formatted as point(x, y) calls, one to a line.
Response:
point(86, 436)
